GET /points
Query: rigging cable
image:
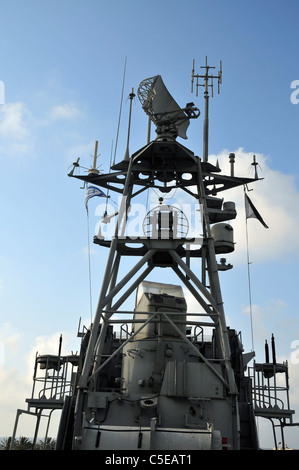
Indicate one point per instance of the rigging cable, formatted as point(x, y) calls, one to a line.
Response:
point(89, 267)
point(249, 281)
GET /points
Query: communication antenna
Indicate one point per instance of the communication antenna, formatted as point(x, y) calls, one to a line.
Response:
point(94, 169)
point(255, 164)
point(127, 153)
point(120, 109)
point(124, 163)
point(207, 82)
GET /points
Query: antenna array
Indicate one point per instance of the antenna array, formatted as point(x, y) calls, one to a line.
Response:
point(207, 82)
point(206, 77)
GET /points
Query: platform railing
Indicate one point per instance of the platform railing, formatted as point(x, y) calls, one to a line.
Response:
point(270, 390)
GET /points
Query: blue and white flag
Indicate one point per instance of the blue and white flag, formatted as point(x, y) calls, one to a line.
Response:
point(91, 192)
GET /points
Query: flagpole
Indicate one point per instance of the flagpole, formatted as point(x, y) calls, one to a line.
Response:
point(248, 274)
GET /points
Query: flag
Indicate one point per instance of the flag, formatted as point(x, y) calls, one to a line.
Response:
point(251, 211)
point(91, 192)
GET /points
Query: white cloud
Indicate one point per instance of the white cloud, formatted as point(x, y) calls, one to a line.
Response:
point(16, 383)
point(13, 120)
point(274, 197)
point(14, 389)
point(10, 341)
point(15, 129)
point(20, 126)
point(64, 111)
point(49, 345)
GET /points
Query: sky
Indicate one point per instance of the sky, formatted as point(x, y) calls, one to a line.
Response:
point(61, 71)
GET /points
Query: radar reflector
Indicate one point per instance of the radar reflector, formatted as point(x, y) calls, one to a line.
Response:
point(163, 110)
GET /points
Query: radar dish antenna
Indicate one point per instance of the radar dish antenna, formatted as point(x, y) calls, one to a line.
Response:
point(163, 110)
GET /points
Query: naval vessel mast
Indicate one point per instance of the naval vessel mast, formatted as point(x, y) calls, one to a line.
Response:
point(149, 377)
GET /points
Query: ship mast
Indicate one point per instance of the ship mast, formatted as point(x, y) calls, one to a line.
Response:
point(161, 165)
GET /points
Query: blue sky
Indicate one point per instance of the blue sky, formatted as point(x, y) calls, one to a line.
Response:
point(62, 66)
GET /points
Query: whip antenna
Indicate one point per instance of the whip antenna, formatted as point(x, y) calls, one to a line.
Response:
point(120, 109)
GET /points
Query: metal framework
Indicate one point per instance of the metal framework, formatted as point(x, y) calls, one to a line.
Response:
point(54, 380)
point(271, 396)
point(163, 164)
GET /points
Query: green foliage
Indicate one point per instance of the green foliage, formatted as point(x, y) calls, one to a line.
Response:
point(24, 443)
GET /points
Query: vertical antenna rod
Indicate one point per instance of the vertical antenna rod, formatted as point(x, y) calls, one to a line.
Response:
point(206, 77)
point(95, 155)
point(255, 165)
point(121, 103)
point(94, 164)
point(127, 153)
